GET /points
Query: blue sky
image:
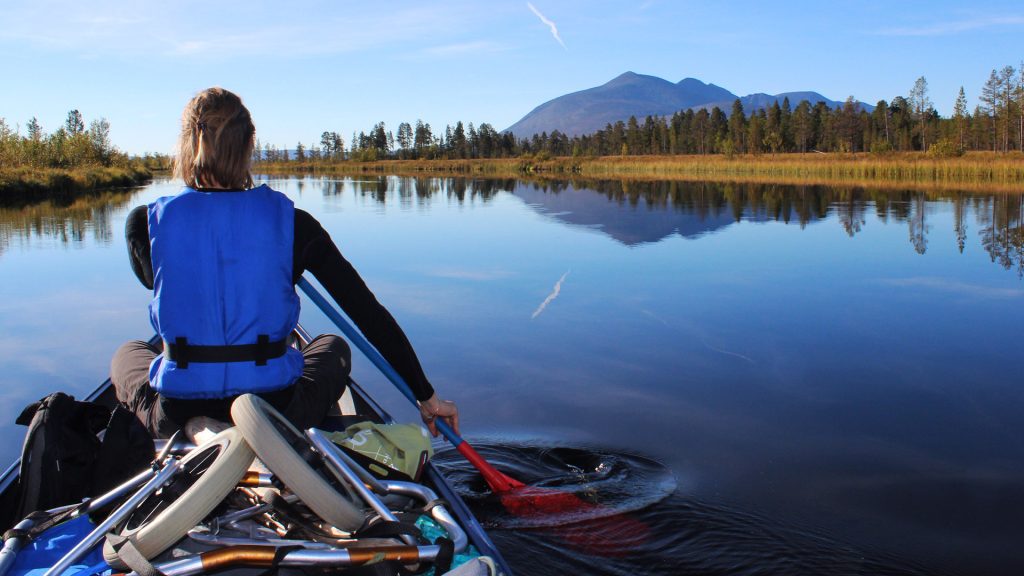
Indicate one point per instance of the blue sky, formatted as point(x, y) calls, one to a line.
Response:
point(303, 68)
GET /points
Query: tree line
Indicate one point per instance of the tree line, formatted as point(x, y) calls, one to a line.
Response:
point(906, 123)
point(72, 145)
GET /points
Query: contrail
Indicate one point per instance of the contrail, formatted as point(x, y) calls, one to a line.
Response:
point(552, 296)
point(549, 23)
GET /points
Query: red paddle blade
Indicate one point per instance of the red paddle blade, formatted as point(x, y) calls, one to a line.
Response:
point(531, 501)
point(599, 534)
point(602, 535)
point(496, 480)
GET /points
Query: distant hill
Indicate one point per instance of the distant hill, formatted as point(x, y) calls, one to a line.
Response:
point(755, 102)
point(639, 95)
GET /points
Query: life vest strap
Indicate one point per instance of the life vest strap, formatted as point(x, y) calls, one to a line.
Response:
point(183, 353)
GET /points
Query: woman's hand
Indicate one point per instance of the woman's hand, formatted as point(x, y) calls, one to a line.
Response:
point(434, 408)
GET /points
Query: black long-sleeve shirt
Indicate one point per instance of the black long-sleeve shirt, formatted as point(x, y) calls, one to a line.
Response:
point(315, 251)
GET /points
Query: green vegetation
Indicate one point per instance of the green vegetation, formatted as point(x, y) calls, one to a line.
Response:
point(974, 170)
point(901, 140)
point(72, 159)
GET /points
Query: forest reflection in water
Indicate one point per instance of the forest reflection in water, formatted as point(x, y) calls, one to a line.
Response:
point(691, 208)
point(66, 221)
point(694, 208)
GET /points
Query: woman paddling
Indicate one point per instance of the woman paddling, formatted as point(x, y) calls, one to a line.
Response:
point(222, 258)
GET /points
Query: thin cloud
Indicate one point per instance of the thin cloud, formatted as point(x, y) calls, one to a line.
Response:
point(460, 49)
point(551, 297)
point(171, 30)
point(955, 27)
point(548, 23)
point(113, 20)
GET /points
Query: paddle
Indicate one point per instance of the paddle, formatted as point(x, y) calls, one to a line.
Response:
point(498, 482)
point(611, 536)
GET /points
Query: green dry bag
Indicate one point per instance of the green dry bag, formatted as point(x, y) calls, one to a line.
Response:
point(388, 451)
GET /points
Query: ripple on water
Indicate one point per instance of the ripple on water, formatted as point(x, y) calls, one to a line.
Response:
point(601, 484)
point(631, 520)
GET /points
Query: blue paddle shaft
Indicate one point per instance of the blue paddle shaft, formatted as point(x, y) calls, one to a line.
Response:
point(370, 352)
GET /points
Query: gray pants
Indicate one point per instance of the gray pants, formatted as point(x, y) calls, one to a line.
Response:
point(328, 361)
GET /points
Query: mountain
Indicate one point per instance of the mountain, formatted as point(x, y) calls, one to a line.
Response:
point(629, 94)
point(639, 95)
point(755, 102)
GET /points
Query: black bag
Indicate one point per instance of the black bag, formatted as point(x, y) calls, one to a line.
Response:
point(63, 460)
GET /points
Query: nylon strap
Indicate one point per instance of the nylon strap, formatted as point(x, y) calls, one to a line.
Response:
point(389, 529)
point(183, 353)
point(126, 551)
point(443, 561)
point(43, 521)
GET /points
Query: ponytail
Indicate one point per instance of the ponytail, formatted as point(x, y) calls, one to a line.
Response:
point(216, 142)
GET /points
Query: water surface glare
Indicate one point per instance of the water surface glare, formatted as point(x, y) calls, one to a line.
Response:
point(829, 378)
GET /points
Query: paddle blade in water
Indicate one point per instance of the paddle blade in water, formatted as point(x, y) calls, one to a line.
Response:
point(602, 535)
point(498, 482)
point(531, 501)
point(583, 498)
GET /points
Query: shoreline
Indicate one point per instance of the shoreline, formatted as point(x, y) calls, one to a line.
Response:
point(974, 171)
point(28, 185)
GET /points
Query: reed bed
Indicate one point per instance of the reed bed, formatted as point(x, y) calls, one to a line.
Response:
point(981, 171)
point(28, 184)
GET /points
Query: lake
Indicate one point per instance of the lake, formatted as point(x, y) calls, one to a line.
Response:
point(830, 379)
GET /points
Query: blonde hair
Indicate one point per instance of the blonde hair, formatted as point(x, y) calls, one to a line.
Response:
point(216, 143)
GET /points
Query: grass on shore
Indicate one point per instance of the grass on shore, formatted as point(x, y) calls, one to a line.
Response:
point(30, 184)
point(974, 171)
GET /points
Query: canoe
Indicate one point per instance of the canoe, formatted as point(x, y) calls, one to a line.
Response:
point(372, 498)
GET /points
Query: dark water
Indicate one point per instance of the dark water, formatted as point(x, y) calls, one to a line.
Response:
point(749, 379)
point(629, 519)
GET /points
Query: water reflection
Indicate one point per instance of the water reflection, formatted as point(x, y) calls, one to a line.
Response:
point(1001, 232)
point(645, 212)
point(691, 209)
point(631, 212)
point(418, 188)
point(648, 212)
point(87, 217)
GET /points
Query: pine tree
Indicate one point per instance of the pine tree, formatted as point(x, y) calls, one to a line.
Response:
point(74, 124)
point(1020, 106)
point(1006, 94)
point(960, 116)
point(327, 142)
point(990, 104)
point(35, 130)
point(738, 126)
point(457, 141)
point(920, 104)
point(405, 138)
point(803, 128)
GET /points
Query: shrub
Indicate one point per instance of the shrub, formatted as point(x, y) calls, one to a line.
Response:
point(945, 148)
point(881, 148)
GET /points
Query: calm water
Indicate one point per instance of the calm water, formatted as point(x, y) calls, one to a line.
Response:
point(830, 379)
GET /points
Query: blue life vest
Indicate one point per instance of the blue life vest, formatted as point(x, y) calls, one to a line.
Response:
point(223, 298)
